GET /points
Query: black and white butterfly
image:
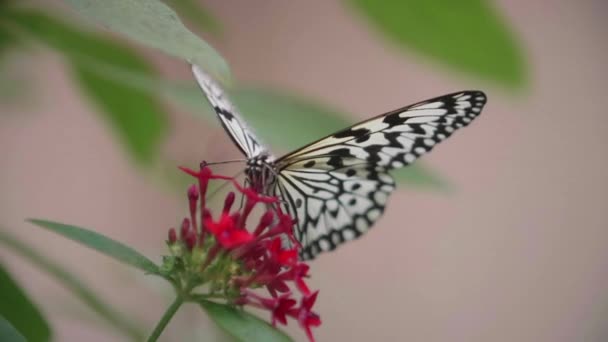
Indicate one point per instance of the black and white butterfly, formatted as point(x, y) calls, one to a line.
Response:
point(337, 187)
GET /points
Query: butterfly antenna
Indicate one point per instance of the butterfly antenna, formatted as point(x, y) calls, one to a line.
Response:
point(228, 162)
point(216, 190)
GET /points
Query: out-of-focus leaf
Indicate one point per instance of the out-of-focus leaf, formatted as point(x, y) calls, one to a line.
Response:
point(418, 175)
point(288, 122)
point(7, 40)
point(470, 36)
point(8, 333)
point(136, 115)
point(18, 309)
point(242, 325)
point(154, 24)
point(100, 243)
point(68, 280)
point(196, 14)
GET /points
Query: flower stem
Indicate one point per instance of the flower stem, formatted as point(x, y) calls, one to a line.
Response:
point(162, 324)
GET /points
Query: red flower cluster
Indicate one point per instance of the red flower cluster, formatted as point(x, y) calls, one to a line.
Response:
point(237, 260)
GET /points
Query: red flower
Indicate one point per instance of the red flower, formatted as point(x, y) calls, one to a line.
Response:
point(282, 256)
point(297, 273)
point(305, 316)
point(279, 307)
point(226, 231)
point(236, 260)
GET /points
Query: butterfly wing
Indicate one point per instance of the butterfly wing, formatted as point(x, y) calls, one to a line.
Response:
point(337, 187)
point(333, 205)
point(240, 134)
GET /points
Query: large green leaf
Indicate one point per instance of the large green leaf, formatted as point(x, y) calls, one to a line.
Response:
point(196, 14)
point(100, 243)
point(8, 333)
point(136, 116)
point(242, 325)
point(76, 287)
point(18, 309)
point(288, 122)
point(470, 36)
point(154, 24)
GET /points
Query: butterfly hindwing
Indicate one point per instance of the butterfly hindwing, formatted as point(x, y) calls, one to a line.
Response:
point(333, 205)
point(228, 115)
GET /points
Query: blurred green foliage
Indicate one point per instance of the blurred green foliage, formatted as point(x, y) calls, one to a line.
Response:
point(114, 249)
point(8, 333)
point(136, 116)
point(470, 36)
point(241, 325)
point(121, 323)
point(154, 24)
point(196, 14)
point(20, 311)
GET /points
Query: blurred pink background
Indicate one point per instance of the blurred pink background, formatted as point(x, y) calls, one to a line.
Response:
point(518, 251)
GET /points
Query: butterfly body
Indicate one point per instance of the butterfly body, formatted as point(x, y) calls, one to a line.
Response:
point(337, 187)
point(260, 172)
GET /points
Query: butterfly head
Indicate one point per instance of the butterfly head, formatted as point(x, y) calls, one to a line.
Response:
point(261, 173)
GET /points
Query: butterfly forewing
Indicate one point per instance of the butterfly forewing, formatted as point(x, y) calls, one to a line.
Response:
point(397, 138)
point(242, 136)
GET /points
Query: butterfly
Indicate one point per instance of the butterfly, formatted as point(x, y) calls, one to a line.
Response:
point(337, 187)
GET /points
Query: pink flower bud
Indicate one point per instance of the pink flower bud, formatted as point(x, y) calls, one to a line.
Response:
point(191, 239)
point(172, 236)
point(265, 221)
point(193, 193)
point(185, 229)
point(228, 202)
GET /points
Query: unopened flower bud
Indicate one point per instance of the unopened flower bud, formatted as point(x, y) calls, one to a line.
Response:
point(191, 239)
point(193, 193)
point(265, 221)
point(206, 214)
point(228, 202)
point(185, 228)
point(172, 236)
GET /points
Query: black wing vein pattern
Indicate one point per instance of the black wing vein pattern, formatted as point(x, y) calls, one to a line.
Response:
point(337, 187)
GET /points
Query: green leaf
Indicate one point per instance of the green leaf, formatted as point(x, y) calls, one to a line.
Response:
point(242, 325)
point(420, 176)
point(18, 309)
point(137, 116)
point(8, 333)
point(289, 122)
point(470, 36)
point(79, 290)
point(7, 40)
point(100, 243)
point(195, 13)
point(154, 24)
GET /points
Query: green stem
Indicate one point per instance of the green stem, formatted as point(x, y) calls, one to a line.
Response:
point(162, 324)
